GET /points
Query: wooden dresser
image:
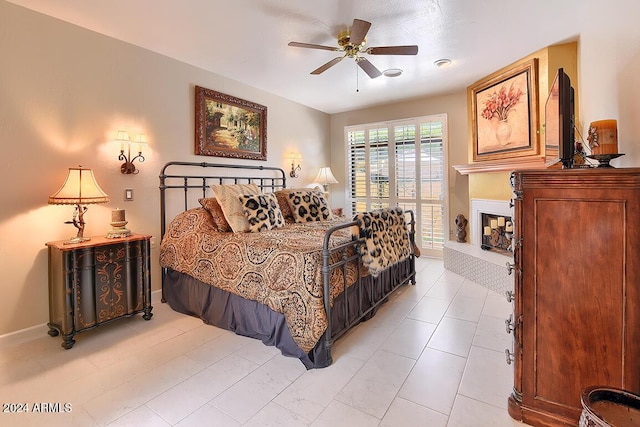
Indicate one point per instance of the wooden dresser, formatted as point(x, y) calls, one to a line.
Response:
point(576, 299)
point(97, 281)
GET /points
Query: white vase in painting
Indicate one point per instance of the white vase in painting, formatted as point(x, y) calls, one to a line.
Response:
point(503, 132)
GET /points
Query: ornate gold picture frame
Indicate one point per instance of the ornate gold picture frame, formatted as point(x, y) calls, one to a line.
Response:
point(229, 127)
point(504, 113)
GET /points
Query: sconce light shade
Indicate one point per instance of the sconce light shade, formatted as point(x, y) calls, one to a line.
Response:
point(128, 167)
point(80, 188)
point(296, 163)
point(122, 136)
point(325, 177)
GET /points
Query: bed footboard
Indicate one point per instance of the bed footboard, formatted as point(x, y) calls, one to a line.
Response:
point(369, 296)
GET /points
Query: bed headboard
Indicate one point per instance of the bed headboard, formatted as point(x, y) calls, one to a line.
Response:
point(193, 179)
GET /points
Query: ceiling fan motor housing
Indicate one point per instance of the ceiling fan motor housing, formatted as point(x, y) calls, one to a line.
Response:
point(344, 41)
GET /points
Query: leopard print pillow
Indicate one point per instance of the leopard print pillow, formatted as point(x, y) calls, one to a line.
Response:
point(262, 211)
point(308, 206)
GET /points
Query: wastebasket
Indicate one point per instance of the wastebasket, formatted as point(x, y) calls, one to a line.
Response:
point(609, 407)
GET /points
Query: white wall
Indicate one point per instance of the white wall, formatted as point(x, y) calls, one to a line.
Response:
point(64, 91)
point(609, 67)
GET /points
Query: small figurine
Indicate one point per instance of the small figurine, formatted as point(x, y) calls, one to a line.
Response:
point(461, 231)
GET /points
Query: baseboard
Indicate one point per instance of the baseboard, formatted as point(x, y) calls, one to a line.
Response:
point(26, 334)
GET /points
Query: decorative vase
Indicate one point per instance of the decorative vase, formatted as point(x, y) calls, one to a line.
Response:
point(503, 132)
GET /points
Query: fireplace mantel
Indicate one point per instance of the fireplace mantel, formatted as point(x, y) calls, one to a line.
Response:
point(502, 166)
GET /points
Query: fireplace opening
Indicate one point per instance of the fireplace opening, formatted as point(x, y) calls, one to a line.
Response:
point(497, 233)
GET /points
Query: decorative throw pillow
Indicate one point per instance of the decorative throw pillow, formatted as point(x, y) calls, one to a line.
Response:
point(283, 202)
point(228, 196)
point(262, 211)
point(212, 205)
point(309, 205)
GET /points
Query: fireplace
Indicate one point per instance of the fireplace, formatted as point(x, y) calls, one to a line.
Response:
point(490, 221)
point(497, 232)
point(491, 224)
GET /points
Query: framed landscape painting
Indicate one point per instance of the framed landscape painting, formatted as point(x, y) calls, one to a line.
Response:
point(229, 127)
point(504, 113)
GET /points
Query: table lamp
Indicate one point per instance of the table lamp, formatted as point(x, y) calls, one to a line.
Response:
point(324, 178)
point(79, 189)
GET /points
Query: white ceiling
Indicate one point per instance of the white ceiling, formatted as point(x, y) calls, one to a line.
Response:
point(246, 40)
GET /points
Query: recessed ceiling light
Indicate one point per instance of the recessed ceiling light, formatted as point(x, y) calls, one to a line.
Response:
point(392, 72)
point(442, 62)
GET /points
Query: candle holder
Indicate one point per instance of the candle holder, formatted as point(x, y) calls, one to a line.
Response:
point(498, 237)
point(604, 160)
point(118, 225)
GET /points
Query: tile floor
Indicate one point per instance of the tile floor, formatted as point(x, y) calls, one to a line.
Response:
point(432, 356)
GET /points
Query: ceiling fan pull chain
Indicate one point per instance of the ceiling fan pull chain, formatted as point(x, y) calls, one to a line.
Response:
point(357, 81)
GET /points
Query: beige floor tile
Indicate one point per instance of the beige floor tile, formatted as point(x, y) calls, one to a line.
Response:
point(385, 373)
point(434, 380)
point(453, 336)
point(468, 412)
point(487, 377)
point(339, 414)
point(404, 413)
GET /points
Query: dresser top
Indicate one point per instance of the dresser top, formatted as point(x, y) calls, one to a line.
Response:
point(96, 241)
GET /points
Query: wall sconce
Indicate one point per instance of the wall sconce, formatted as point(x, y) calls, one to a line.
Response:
point(79, 189)
point(296, 162)
point(122, 137)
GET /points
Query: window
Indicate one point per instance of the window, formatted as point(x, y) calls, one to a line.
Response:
point(401, 163)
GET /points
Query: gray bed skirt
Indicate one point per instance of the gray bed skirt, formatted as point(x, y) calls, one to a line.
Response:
point(252, 319)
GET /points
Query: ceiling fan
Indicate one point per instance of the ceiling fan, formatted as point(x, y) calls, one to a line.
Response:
point(352, 44)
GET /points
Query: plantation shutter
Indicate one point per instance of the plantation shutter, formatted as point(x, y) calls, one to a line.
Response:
point(402, 164)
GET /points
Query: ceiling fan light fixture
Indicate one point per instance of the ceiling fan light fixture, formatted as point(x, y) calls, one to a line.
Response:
point(392, 72)
point(441, 63)
point(352, 43)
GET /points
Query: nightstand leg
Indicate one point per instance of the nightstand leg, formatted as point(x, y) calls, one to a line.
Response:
point(67, 341)
point(53, 332)
point(147, 313)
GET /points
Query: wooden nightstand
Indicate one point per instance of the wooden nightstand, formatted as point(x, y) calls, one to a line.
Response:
point(97, 281)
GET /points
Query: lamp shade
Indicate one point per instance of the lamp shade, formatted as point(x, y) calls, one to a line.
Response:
point(325, 176)
point(80, 188)
point(122, 136)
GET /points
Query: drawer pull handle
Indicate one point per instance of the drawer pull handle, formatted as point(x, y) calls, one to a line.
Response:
point(508, 323)
point(511, 296)
point(509, 355)
point(511, 267)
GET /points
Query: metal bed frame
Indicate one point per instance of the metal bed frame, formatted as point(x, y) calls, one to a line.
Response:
point(272, 179)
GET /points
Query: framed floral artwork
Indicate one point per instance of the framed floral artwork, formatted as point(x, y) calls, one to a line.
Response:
point(229, 127)
point(504, 113)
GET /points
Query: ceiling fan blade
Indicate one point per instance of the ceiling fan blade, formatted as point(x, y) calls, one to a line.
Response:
point(313, 46)
point(393, 50)
point(328, 65)
point(359, 31)
point(369, 68)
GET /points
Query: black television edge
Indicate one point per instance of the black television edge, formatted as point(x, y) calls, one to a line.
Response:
point(559, 122)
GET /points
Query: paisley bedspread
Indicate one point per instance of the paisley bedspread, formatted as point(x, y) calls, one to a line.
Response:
point(281, 268)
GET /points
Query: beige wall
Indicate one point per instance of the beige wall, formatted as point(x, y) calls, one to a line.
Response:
point(64, 91)
point(454, 106)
